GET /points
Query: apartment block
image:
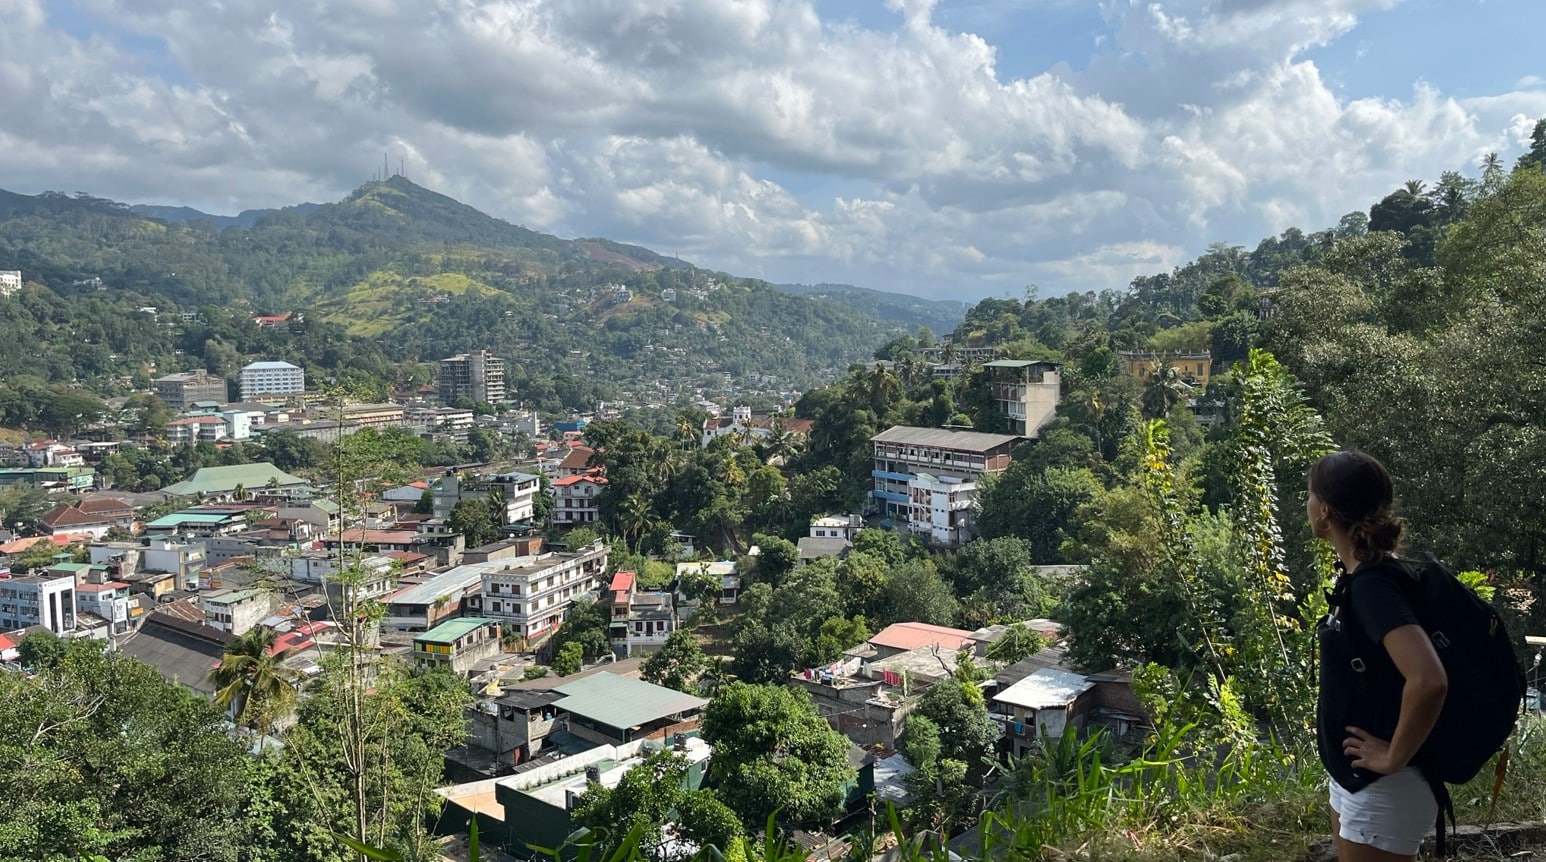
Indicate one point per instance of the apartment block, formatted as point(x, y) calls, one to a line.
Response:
point(181, 391)
point(272, 381)
point(533, 595)
point(10, 281)
point(46, 599)
point(477, 376)
point(925, 478)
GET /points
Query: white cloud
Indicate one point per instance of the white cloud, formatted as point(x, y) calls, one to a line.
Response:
point(749, 135)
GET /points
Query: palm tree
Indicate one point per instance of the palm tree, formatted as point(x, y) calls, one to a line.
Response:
point(883, 388)
point(253, 680)
point(1165, 389)
point(686, 435)
point(1415, 188)
point(634, 519)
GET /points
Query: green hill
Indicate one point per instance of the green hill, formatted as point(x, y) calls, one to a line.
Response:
point(403, 273)
point(902, 309)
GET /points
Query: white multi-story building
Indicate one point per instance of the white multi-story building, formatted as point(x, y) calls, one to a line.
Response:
point(534, 594)
point(575, 499)
point(272, 381)
point(107, 599)
point(10, 281)
point(518, 491)
point(940, 508)
point(196, 429)
point(46, 599)
point(919, 469)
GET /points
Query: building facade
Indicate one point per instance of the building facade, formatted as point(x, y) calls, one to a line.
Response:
point(457, 645)
point(1026, 392)
point(236, 611)
point(180, 391)
point(576, 499)
point(925, 478)
point(533, 595)
point(10, 281)
point(476, 375)
point(1194, 368)
point(272, 381)
point(46, 600)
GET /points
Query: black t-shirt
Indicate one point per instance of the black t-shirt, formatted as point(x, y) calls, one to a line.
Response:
point(1359, 684)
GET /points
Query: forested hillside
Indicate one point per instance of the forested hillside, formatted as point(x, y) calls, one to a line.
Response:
point(395, 272)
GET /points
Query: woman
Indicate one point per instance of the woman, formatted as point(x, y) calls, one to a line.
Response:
point(1381, 684)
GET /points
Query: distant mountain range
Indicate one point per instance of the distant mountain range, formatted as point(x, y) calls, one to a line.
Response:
point(899, 308)
point(418, 274)
point(939, 315)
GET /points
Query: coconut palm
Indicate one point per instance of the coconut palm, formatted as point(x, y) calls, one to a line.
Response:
point(253, 680)
point(1165, 389)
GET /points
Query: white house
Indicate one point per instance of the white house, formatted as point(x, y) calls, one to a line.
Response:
point(575, 499)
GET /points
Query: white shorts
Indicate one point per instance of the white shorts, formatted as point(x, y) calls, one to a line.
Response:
point(1393, 814)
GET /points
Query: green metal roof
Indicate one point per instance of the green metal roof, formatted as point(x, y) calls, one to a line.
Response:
point(622, 702)
point(223, 480)
point(178, 518)
point(327, 506)
point(231, 598)
point(72, 568)
point(452, 631)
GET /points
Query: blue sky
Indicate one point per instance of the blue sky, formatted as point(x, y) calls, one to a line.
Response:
point(958, 148)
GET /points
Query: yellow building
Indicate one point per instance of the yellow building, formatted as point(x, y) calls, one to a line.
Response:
point(1193, 367)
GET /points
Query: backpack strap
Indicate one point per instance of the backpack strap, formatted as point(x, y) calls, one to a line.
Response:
point(1446, 809)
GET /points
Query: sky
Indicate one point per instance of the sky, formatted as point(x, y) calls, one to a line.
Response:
point(947, 148)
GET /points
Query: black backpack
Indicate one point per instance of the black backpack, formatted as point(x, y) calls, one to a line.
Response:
point(1486, 684)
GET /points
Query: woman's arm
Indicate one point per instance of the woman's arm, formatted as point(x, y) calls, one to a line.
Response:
point(1421, 700)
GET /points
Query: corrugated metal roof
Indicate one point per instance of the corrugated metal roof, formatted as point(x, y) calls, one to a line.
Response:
point(620, 702)
point(943, 438)
point(452, 631)
point(1045, 689)
point(906, 636)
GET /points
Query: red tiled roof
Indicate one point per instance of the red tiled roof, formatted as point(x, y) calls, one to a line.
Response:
point(577, 459)
point(582, 477)
point(622, 582)
point(106, 506)
point(906, 636)
point(16, 546)
point(198, 420)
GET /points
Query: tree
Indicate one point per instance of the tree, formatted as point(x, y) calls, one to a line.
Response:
point(679, 661)
point(957, 708)
point(1534, 159)
point(915, 592)
point(570, 659)
point(1037, 505)
point(651, 796)
point(102, 758)
point(586, 626)
point(1019, 642)
point(472, 519)
point(425, 505)
point(774, 753)
point(22, 502)
point(253, 681)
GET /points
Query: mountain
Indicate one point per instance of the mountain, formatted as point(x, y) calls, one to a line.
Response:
point(902, 309)
point(182, 215)
point(396, 272)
